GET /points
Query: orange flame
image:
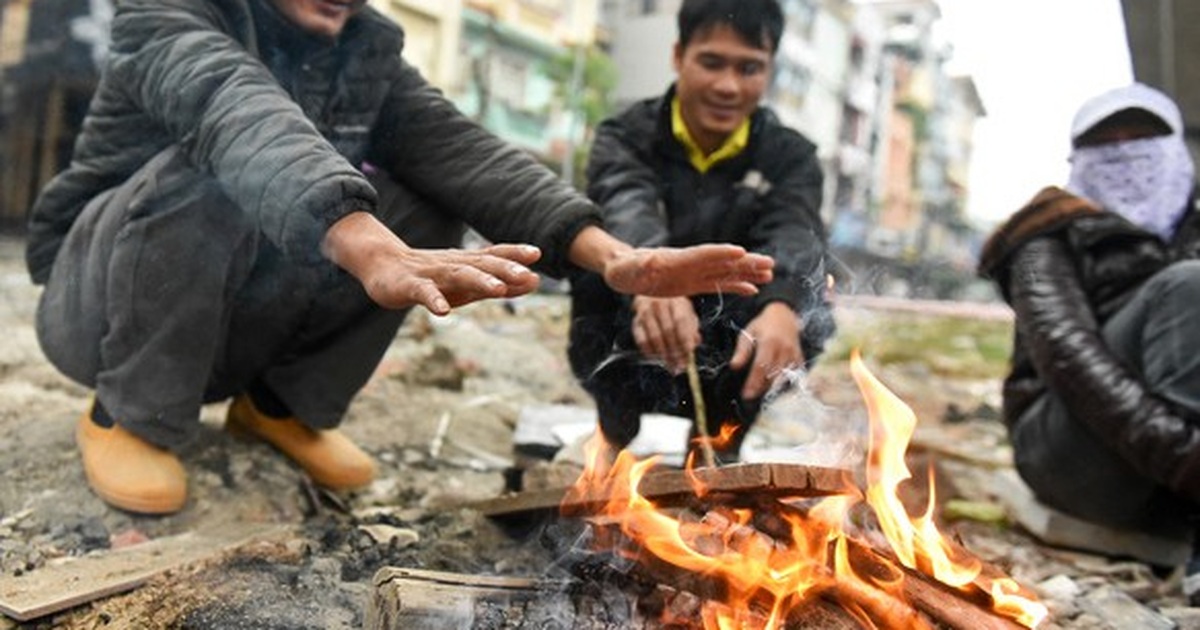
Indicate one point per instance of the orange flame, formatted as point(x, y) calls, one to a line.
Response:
point(1010, 604)
point(892, 426)
point(721, 441)
point(765, 577)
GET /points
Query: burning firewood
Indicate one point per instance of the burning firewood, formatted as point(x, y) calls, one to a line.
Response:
point(755, 560)
point(856, 598)
point(914, 602)
point(676, 487)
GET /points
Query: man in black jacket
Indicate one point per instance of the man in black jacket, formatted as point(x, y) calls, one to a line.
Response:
point(1103, 400)
point(705, 163)
point(261, 190)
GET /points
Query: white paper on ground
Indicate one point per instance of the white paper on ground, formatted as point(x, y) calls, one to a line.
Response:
point(570, 425)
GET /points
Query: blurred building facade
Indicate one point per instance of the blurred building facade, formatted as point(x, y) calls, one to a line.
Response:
point(432, 35)
point(49, 51)
point(505, 82)
point(923, 142)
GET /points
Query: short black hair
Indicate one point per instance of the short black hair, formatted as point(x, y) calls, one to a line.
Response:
point(759, 22)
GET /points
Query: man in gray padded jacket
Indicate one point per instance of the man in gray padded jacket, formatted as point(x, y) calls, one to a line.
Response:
point(261, 190)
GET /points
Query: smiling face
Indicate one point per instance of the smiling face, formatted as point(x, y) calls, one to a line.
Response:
point(721, 79)
point(325, 18)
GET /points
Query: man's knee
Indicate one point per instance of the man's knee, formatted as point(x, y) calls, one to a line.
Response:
point(166, 238)
point(1180, 283)
point(179, 198)
point(1071, 469)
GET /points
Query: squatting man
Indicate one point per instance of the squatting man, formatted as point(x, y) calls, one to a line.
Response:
point(703, 163)
point(260, 192)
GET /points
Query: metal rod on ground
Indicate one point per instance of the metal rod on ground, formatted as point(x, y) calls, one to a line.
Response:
point(710, 458)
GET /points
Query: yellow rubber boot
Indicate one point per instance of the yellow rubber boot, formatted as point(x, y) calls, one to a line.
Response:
point(328, 456)
point(128, 472)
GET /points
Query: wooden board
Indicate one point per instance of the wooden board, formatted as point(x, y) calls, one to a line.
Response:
point(667, 486)
point(951, 609)
point(57, 587)
point(413, 598)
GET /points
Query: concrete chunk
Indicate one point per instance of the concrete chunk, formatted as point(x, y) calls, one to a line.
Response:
point(1121, 611)
point(1059, 529)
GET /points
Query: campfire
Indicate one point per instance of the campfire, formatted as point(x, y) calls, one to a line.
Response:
point(758, 562)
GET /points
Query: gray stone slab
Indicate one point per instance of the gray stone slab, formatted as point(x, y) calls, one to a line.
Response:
point(1059, 529)
point(1121, 612)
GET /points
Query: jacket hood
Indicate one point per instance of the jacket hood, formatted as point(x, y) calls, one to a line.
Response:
point(1051, 209)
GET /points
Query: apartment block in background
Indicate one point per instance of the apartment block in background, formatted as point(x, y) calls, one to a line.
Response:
point(432, 29)
point(505, 52)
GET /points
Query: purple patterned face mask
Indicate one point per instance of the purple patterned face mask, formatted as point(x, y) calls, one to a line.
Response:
point(1147, 181)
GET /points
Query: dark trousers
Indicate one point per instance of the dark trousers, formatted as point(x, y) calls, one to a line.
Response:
point(624, 384)
point(1157, 337)
point(166, 296)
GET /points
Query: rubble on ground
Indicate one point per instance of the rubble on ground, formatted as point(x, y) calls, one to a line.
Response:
point(448, 441)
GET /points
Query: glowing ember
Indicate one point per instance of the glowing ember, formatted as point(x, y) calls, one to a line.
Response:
point(765, 578)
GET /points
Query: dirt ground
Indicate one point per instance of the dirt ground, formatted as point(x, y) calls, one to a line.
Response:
point(472, 372)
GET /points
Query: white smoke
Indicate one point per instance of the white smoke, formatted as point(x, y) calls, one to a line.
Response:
point(795, 427)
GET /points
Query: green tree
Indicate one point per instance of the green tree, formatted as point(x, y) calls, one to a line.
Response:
point(584, 85)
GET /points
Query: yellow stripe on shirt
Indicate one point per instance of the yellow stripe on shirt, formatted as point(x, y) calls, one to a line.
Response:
point(733, 145)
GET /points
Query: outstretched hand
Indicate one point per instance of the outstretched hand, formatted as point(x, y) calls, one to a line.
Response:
point(397, 276)
point(441, 279)
point(671, 271)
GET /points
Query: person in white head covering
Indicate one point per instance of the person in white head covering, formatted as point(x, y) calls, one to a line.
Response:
point(1103, 400)
point(1129, 156)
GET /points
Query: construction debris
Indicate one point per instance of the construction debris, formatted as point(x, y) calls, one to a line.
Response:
point(60, 586)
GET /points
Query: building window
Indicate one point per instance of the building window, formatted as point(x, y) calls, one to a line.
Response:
point(858, 54)
point(851, 132)
point(508, 80)
point(792, 79)
point(800, 15)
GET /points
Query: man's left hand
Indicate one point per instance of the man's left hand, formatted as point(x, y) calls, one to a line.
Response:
point(771, 344)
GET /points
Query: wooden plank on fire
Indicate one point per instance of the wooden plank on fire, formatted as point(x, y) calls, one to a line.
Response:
point(958, 609)
point(415, 598)
point(666, 487)
point(921, 597)
point(57, 587)
point(953, 610)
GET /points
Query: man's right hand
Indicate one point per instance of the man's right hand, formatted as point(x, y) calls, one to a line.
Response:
point(670, 271)
point(397, 276)
point(666, 329)
point(677, 271)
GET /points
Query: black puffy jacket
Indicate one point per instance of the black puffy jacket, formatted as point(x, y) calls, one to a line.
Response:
point(284, 123)
point(1066, 266)
point(767, 198)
